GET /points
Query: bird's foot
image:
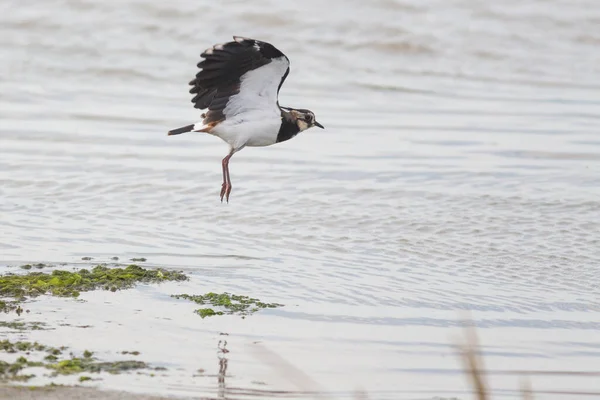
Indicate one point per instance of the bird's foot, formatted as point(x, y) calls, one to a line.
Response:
point(225, 191)
point(228, 191)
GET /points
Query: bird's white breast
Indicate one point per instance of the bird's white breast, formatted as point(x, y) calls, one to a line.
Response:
point(253, 128)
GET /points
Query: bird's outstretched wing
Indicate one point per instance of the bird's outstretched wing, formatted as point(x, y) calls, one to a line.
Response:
point(238, 76)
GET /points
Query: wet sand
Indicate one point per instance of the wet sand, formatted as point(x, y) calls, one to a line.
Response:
point(70, 393)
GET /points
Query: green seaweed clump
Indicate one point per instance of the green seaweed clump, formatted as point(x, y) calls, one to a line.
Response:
point(29, 266)
point(67, 283)
point(232, 303)
point(13, 347)
point(207, 312)
point(23, 326)
point(10, 371)
point(88, 364)
point(69, 366)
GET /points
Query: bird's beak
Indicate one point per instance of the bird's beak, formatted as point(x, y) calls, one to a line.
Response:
point(319, 125)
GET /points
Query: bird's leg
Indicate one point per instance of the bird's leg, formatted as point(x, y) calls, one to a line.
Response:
point(226, 187)
point(228, 183)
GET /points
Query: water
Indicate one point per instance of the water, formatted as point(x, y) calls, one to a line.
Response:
point(459, 170)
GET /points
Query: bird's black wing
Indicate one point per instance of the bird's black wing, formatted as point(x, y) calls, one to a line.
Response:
point(251, 70)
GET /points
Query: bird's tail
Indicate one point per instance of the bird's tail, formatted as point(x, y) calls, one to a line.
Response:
point(181, 130)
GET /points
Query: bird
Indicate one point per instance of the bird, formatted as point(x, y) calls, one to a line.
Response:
point(238, 85)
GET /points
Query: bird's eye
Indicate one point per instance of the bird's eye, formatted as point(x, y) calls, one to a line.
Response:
point(309, 118)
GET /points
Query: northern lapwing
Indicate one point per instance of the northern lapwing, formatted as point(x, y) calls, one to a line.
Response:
point(239, 84)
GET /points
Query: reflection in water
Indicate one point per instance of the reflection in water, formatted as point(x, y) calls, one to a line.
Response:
point(223, 361)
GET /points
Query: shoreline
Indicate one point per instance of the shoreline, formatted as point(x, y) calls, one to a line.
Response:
point(72, 393)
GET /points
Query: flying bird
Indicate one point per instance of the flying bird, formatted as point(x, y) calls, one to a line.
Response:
point(238, 83)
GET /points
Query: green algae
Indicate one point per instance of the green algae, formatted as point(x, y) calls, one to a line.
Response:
point(231, 303)
point(53, 362)
point(70, 284)
point(84, 378)
point(77, 365)
point(23, 326)
point(23, 346)
point(207, 312)
point(30, 266)
point(10, 371)
point(31, 283)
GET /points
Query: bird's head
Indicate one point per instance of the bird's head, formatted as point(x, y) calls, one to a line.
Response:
point(305, 119)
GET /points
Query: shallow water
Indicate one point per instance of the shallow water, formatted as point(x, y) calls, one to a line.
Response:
point(459, 171)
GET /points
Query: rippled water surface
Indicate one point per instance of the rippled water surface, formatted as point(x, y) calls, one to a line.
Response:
point(459, 170)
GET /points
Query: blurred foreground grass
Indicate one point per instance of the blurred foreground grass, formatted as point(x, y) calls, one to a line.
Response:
point(469, 353)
